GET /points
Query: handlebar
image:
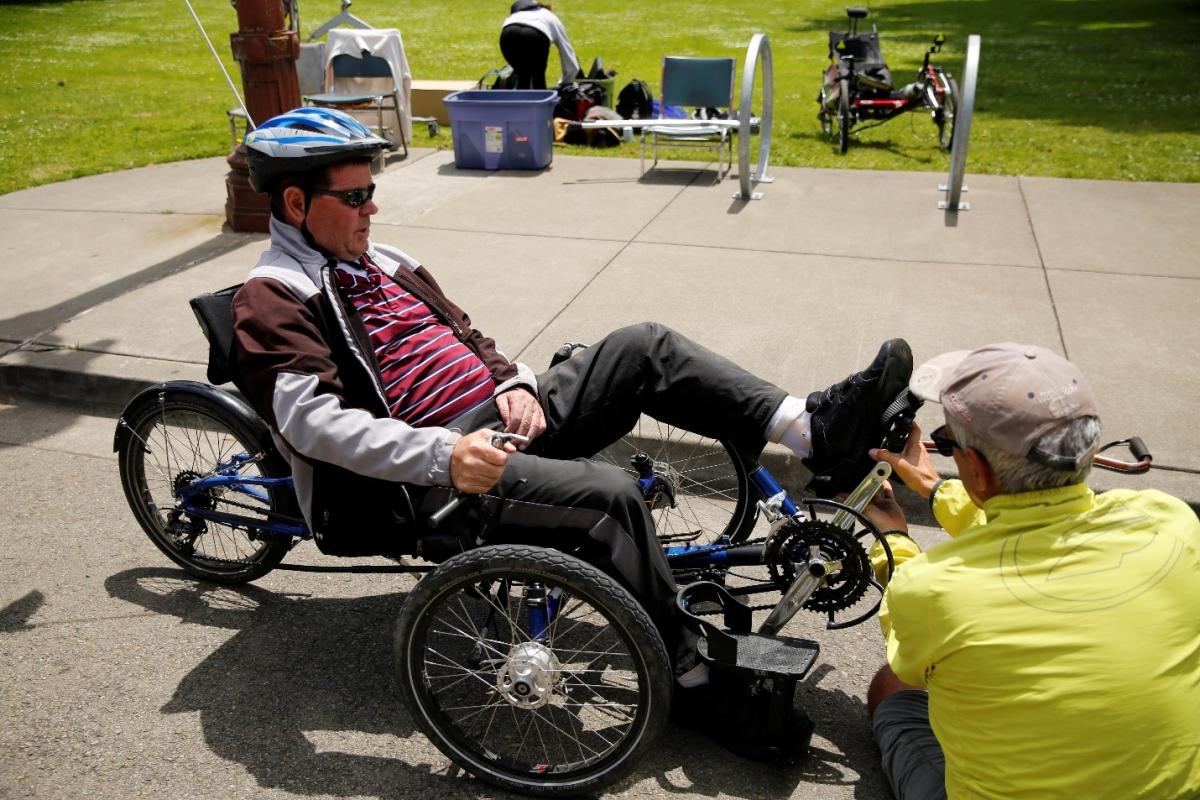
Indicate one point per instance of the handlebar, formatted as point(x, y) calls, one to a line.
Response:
point(1136, 447)
point(498, 441)
point(438, 517)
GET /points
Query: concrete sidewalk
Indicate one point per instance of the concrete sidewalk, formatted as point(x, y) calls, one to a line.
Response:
point(799, 287)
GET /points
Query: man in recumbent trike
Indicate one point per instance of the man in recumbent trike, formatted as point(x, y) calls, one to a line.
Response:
point(369, 377)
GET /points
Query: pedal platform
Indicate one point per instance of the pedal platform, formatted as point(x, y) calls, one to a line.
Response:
point(734, 646)
point(776, 656)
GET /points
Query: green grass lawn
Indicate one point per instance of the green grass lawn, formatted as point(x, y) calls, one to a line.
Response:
point(1069, 88)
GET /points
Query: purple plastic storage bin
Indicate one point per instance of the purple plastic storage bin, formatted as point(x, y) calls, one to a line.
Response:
point(502, 129)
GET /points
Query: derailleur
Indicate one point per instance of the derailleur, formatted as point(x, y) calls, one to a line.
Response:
point(658, 489)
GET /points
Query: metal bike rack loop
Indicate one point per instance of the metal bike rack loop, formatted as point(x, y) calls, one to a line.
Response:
point(759, 48)
point(962, 135)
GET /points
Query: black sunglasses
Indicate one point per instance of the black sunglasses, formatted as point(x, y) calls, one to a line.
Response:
point(351, 197)
point(943, 443)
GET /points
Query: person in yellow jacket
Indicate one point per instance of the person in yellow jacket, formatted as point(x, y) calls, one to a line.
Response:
point(1051, 648)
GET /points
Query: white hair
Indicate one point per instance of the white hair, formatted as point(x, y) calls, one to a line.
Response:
point(1016, 474)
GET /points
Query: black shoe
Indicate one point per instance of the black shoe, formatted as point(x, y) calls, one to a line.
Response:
point(741, 722)
point(847, 419)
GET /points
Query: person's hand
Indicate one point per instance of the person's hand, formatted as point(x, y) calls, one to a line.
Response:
point(476, 466)
point(521, 412)
point(912, 465)
point(884, 512)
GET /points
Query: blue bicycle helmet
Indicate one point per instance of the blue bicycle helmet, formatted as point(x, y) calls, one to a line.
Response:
point(303, 140)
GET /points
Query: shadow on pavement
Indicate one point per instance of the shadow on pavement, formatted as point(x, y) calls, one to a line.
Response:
point(302, 675)
point(46, 319)
point(15, 616)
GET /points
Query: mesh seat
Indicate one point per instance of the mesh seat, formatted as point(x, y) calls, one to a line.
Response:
point(863, 50)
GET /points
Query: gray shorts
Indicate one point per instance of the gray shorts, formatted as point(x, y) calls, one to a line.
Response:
point(912, 758)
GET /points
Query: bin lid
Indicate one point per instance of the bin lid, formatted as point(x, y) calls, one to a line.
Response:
point(503, 96)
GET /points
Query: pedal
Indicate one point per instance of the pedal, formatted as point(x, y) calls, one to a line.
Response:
point(897, 420)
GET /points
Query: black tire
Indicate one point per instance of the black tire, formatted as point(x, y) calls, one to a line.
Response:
point(947, 114)
point(462, 642)
point(823, 109)
point(712, 485)
point(181, 436)
point(843, 134)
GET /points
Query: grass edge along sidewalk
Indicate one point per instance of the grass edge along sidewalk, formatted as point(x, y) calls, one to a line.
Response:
point(1072, 90)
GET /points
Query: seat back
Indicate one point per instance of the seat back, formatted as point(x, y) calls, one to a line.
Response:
point(697, 82)
point(214, 312)
point(369, 66)
point(864, 47)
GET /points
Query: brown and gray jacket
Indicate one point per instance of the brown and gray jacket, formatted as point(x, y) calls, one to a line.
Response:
point(310, 373)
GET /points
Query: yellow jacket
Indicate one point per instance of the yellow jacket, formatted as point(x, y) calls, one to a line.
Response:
point(1058, 635)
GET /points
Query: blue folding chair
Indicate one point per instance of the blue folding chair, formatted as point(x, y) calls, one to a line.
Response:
point(705, 83)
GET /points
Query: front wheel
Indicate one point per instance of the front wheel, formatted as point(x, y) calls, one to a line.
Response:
point(944, 117)
point(843, 135)
point(532, 670)
point(178, 437)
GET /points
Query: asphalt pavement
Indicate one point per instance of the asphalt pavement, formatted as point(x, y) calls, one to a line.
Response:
point(125, 679)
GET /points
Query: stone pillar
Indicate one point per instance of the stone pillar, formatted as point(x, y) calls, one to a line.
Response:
point(266, 51)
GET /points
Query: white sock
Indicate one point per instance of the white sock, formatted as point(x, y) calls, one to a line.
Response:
point(696, 676)
point(791, 427)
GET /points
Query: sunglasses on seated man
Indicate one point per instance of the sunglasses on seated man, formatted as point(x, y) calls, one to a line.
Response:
point(351, 197)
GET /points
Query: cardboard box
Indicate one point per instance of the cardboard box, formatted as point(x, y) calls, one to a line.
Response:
point(428, 97)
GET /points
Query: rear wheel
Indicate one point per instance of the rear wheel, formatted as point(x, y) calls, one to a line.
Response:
point(944, 117)
point(711, 483)
point(843, 134)
point(172, 443)
point(532, 670)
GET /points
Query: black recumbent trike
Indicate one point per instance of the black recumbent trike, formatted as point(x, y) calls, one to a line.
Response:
point(857, 90)
point(528, 667)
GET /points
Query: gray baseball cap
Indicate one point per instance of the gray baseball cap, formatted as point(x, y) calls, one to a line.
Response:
point(1011, 395)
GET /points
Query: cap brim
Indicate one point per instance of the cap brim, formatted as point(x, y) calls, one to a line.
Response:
point(929, 378)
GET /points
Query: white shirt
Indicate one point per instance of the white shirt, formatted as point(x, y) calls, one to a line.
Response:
point(548, 23)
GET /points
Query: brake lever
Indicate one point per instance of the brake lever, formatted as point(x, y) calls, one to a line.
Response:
point(498, 440)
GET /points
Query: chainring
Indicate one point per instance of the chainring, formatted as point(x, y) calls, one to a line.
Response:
point(793, 542)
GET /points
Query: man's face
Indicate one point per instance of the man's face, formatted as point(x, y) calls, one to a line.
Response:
point(341, 230)
point(967, 470)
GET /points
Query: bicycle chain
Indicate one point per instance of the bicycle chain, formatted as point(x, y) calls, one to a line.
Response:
point(722, 548)
point(235, 504)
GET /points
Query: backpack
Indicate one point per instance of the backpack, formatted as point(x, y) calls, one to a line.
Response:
point(635, 100)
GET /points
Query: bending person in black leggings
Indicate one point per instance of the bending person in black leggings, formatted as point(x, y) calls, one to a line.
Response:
point(525, 39)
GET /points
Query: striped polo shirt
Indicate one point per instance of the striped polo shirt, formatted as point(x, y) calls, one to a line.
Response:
point(428, 375)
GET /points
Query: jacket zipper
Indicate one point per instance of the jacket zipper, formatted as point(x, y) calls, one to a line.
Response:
point(411, 287)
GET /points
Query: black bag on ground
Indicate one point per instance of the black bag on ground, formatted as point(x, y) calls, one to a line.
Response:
point(635, 100)
point(575, 99)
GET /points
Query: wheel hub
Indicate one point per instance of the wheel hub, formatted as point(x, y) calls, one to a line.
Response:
point(528, 676)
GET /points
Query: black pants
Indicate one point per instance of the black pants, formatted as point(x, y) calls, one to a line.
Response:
point(526, 49)
point(554, 495)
